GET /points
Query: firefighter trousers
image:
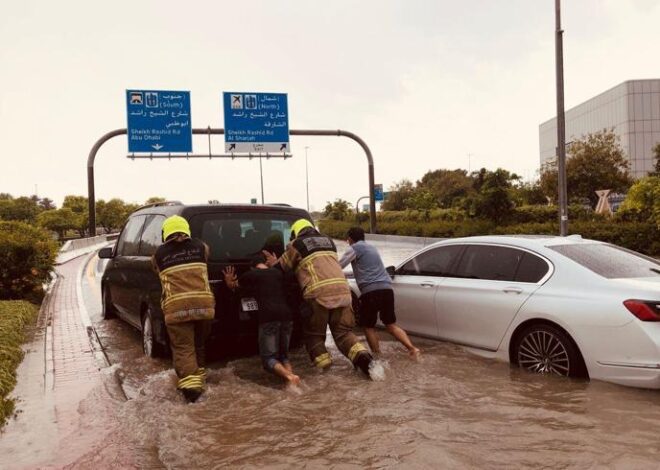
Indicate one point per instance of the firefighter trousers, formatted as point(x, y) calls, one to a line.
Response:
point(341, 322)
point(187, 341)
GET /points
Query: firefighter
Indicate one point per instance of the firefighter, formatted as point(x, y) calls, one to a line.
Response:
point(187, 302)
point(313, 258)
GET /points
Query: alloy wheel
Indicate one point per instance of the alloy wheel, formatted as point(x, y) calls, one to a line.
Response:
point(147, 337)
point(543, 352)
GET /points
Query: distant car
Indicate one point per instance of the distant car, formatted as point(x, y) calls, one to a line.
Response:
point(553, 305)
point(234, 233)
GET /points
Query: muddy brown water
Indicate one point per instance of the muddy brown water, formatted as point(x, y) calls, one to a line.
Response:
point(450, 410)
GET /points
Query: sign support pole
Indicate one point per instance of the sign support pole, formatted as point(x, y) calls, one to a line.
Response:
point(309, 132)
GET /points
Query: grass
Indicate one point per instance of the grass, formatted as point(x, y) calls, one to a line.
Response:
point(14, 316)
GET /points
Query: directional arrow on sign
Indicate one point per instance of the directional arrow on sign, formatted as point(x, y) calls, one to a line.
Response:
point(232, 146)
point(157, 147)
point(283, 147)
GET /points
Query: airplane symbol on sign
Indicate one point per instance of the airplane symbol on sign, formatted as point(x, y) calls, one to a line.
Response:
point(157, 147)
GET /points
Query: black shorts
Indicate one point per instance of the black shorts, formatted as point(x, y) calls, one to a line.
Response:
point(374, 303)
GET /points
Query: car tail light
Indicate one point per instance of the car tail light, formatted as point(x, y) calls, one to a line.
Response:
point(645, 310)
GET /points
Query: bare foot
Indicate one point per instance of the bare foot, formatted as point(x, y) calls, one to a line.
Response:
point(415, 354)
point(293, 379)
point(288, 367)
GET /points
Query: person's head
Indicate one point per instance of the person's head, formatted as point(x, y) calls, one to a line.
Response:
point(258, 262)
point(175, 227)
point(354, 235)
point(300, 226)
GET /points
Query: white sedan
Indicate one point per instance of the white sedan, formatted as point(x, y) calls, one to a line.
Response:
point(556, 305)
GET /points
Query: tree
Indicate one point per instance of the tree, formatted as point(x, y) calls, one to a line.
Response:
point(154, 200)
point(596, 161)
point(58, 220)
point(493, 200)
point(643, 200)
point(399, 196)
point(78, 205)
point(22, 209)
point(447, 186)
point(422, 200)
point(656, 156)
point(528, 194)
point(338, 210)
point(112, 215)
point(46, 204)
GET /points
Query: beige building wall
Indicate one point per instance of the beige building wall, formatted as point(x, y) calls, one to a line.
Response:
point(631, 108)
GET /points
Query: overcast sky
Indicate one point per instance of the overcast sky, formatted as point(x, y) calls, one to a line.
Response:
point(424, 83)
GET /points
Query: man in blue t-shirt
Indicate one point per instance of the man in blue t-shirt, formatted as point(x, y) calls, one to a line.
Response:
point(376, 294)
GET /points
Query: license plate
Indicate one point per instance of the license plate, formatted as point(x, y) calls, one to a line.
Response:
point(249, 304)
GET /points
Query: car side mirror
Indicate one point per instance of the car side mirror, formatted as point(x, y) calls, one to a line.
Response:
point(106, 253)
point(391, 270)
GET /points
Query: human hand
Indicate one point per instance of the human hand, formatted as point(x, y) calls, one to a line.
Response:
point(230, 276)
point(271, 259)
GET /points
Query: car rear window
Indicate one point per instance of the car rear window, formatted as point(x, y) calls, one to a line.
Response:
point(610, 261)
point(239, 236)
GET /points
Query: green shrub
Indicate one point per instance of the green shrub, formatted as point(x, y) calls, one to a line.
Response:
point(14, 316)
point(28, 255)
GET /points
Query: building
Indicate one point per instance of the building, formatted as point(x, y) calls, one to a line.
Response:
point(632, 109)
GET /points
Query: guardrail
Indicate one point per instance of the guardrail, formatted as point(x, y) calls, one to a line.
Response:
point(80, 243)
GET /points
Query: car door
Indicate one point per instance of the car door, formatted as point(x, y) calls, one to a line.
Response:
point(143, 281)
point(121, 281)
point(476, 305)
point(415, 285)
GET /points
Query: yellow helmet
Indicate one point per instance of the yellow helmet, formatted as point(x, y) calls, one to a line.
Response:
point(298, 227)
point(175, 224)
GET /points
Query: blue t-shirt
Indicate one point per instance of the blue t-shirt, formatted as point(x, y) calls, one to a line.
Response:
point(368, 268)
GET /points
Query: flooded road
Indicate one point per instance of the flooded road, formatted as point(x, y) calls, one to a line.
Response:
point(450, 410)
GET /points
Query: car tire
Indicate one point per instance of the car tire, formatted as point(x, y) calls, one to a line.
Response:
point(546, 349)
point(108, 311)
point(150, 346)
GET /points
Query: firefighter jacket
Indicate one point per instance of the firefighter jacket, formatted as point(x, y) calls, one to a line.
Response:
point(313, 258)
point(186, 295)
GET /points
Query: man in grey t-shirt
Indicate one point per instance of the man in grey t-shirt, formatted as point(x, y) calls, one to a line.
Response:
point(376, 294)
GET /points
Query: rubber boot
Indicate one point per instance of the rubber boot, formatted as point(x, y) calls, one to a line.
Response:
point(191, 394)
point(363, 361)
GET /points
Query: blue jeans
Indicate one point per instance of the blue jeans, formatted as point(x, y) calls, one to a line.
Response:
point(274, 340)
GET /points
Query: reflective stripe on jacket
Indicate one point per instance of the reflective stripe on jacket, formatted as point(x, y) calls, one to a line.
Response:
point(313, 258)
point(186, 294)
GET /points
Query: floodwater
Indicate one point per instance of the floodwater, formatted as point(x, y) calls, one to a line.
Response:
point(449, 410)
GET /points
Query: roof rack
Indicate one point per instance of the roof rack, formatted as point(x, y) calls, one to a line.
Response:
point(161, 204)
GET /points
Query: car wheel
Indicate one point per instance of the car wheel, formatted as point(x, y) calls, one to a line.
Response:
point(108, 310)
point(150, 345)
point(545, 349)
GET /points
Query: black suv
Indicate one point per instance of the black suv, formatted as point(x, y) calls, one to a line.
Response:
point(234, 233)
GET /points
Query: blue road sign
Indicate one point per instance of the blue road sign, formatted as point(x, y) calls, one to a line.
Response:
point(158, 121)
point(378, 192)
point(256, 122)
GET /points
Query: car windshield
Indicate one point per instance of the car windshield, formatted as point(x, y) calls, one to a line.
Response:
point(610, 261)
point(239, 236)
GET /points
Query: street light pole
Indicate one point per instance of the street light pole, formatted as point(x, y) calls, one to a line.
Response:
point(307, 177)
point(561, 124)
point(261, 174)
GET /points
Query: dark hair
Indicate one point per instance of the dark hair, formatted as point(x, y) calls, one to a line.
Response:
point(356, 234)
point(257, 259)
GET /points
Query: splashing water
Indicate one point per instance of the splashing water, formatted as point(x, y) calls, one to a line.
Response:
point(377, 370)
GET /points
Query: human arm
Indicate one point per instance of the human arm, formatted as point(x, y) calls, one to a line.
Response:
point(348, 256)
point(287, 262)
